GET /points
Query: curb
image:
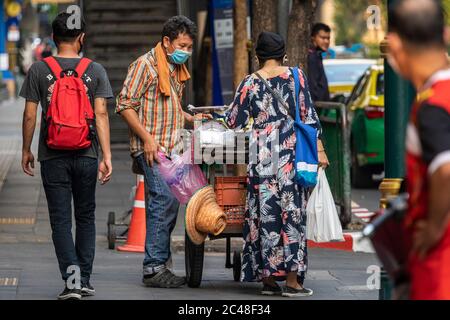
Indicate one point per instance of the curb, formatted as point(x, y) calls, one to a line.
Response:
point(353, 241)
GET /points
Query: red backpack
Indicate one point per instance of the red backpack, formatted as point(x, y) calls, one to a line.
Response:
point(70, 116)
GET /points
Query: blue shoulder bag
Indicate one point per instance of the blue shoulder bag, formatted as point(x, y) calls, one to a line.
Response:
point(306, 155)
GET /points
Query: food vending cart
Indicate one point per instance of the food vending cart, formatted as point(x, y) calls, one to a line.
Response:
point(220, 151)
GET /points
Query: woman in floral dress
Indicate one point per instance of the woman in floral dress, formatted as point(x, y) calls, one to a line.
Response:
point(275, 217)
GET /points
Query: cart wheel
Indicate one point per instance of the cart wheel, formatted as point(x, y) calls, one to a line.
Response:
point(111, 218)
point(111, 231)
point(193, 262)
point(111, 236)
point(237, 264)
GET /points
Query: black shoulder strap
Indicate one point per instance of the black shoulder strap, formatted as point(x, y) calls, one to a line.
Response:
point(274, 93)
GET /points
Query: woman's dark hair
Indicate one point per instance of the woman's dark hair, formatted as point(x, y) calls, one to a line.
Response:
point(61, 30)
point(270, 46)
point(178, 25)
point(319, 27)
point(262, 61)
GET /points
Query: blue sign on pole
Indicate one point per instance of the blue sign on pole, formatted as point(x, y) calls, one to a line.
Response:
point(2, 28)
point(4, 65)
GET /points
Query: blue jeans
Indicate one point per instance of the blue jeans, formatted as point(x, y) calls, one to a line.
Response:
point(64, 179)
point(161, 216)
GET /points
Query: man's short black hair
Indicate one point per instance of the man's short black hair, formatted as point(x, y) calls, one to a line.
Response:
point(62, 32)
point(420, 23)
point(178, 25)
point(319, 27)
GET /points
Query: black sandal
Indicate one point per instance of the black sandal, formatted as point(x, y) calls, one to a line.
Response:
point(269, 290)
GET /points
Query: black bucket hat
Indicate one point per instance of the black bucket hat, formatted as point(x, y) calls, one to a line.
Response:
point(270, 46)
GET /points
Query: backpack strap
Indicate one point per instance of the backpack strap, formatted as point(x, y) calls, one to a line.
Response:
point(54, 67)
point(82, 66)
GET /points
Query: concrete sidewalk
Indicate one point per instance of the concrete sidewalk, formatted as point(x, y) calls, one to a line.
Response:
point(33, 274)
point(28, 266)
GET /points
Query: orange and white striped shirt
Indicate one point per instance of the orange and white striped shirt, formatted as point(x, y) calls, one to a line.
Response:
point(161, 116)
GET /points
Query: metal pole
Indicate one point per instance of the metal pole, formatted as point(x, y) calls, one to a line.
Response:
point(399, 95)
point(346, 214)
point(284, 7)
point(340, 152)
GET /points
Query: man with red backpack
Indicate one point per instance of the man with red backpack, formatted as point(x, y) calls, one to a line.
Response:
point(72, 92)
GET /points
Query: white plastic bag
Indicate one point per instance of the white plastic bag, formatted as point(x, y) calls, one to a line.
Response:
point(323, 223)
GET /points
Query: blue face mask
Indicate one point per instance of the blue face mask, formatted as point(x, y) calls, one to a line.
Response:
point(179, 56)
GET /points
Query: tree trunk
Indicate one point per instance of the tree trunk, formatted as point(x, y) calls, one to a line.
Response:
point(301, 19)
point(240, 41)
point(264, 19)
point(240, 55)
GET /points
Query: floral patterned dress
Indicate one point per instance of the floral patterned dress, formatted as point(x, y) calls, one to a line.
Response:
point(275, 217)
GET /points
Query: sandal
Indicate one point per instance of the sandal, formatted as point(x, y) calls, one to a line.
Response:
point(164, 279)
point(269, 290)
point(293, 292)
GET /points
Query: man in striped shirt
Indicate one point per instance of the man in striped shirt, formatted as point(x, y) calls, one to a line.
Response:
point(150, 103)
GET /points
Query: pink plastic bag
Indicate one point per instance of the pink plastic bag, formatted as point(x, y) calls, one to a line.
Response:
point(182, 177)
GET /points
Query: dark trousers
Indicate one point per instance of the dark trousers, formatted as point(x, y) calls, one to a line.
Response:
point(161, 216)
point(64, 179)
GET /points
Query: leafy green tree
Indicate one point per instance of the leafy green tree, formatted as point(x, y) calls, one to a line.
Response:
point(351, 19)
point(446, 4)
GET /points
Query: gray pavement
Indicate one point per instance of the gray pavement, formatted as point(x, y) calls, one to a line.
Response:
point(28, 267)
point(334, 275)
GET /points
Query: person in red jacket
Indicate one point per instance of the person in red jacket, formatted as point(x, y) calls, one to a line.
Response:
point(417, 46)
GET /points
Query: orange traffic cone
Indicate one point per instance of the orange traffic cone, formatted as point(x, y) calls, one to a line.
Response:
point(136, 230)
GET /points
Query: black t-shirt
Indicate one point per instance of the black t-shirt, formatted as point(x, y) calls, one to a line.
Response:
point(38, 87)
point(317, 79)
point(433, 124)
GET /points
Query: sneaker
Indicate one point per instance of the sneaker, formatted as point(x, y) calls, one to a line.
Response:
point(163, 279)
point(292, 292)
point(87, 290)
point(271, 291)
point(70, 294)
